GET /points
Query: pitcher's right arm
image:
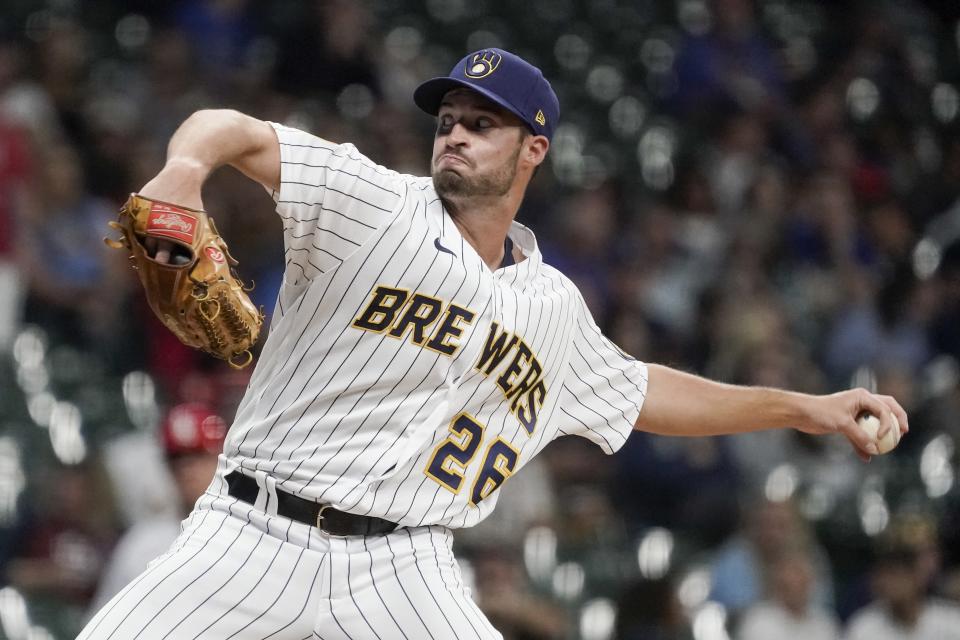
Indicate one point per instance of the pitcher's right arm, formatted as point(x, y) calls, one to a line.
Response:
point(206, 140)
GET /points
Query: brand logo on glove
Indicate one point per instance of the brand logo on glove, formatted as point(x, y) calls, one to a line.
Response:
point(215, 254)
point(171, 221)
point(167, 222)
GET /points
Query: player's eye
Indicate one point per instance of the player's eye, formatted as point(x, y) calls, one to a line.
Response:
point(444, 123)
point(484, 123)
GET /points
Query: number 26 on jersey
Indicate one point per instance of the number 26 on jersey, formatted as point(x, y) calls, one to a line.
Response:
point(454, 454)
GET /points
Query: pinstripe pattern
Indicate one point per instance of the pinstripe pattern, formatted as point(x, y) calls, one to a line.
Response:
point(351, 417)
point(321, 383)
point(350, 407)
point(238, 572)
point(223, 582)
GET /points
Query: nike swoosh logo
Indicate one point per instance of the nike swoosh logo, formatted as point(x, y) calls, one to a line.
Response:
point(440, 247)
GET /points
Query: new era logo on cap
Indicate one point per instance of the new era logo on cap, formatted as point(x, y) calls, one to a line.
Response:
point(503, 78)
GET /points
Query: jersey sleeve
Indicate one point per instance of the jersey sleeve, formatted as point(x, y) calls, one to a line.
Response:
point(331, 200)
point(603, 388)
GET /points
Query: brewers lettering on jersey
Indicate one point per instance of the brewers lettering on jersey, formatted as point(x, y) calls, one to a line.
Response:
point(420, 354)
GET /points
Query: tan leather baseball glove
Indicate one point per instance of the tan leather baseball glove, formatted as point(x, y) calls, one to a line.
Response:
point(197, 295)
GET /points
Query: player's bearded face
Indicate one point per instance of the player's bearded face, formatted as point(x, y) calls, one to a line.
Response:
point(476, 149)
point(495, 182)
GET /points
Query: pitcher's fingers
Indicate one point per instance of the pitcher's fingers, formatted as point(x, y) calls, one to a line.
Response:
point(898, 411)
point(874, 405)
point(886, 425)
point(861, 441)
point(865, 456)
point(159, 250)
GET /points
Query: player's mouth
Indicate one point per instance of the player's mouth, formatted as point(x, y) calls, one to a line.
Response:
point(452, 158)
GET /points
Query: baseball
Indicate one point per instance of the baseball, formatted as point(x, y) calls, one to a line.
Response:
point(871, 424)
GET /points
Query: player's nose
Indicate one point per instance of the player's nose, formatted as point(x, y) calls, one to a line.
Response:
point(457, 135)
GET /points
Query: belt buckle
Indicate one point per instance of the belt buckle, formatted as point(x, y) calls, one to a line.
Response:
point(320, 516)
point(320, 526)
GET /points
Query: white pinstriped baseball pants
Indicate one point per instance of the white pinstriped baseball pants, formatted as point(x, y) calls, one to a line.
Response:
point(238, 572)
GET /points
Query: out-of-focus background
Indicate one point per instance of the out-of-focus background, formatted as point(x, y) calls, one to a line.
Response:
point(763, 192)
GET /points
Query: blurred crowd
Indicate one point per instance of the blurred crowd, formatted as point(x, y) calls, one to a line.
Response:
point(761, 191)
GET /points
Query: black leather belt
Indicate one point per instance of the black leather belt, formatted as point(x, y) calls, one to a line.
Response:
point(315, 514)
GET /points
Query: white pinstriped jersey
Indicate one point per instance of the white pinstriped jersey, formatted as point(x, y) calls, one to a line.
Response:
point(402, 378)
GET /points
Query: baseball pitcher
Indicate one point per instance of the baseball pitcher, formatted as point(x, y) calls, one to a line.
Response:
point(419, 355)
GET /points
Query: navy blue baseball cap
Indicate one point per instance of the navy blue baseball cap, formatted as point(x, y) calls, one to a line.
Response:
point(504, 78)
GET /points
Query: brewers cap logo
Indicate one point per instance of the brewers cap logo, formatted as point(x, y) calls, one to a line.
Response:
point(541, 119)
point(482, 64)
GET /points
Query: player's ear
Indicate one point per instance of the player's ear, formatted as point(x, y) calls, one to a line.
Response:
point(535, 149)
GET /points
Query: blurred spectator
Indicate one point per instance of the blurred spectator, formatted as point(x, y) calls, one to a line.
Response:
point(890, 230)
point(766, 203)
point(703, 481)
point(732, 65)
point(787, 611)
point(585, 228)
point(23, 102)
point(948, 584)
point(192, 436)
point(65, 261)
point(752, 342)
point(172, 92)
point(739, 566)
point(508, 600)
point(890, 331)
point(822, 233)
point(64, 546)
point(594, 536)
point(904, 567)
point(221, 32)
point(943, 329)
point(650, 610)
point(62, 54)
point(15, 174)
point(936, 414)
point(676, 260)
point(938, 192)
point(733, 162)
point(327, 48)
